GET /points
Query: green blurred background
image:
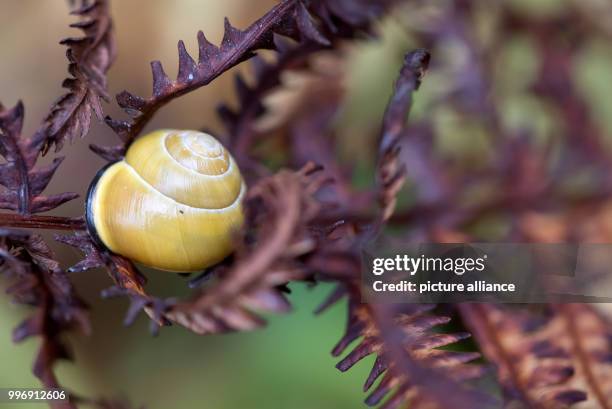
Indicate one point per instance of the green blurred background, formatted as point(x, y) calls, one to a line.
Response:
point(288, 364)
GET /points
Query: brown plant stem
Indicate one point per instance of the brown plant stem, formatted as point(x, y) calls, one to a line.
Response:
point(41, 222)
point(202, 77)
point(485, 331)
point(585, 361)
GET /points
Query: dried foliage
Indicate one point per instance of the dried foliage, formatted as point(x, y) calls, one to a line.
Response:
point(420, 343)
point(533, 365)
point(443, 215)
point(391, 173)
point(37, 280)
point(89, 57)
point(588, 341)
point(299, 227)
point(280, 210)
point(311, 23)
point(127, 279)
point(23, 182)
point(402, 338)
point(36, 277)
point(548, 360)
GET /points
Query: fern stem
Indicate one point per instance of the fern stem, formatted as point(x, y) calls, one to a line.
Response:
point(485, 331)
point(584, 360)
point(41, 222)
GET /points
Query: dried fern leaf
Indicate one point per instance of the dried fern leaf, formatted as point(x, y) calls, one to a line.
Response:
point(589, 341)
point(24, 182)
point(89, 57)
point(416, 340)
point(280, 208)
point(309, 22)
point(37, 280)
point(534, 365)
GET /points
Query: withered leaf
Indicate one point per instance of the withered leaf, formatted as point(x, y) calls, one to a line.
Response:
point(23, 182)
point(534, 364)
point(391, 173)
point(417, 339)
point(128, 281)
point(89, 57)
point(309, 22)
point(37, 280)
point(588, 340)
point(280, 208)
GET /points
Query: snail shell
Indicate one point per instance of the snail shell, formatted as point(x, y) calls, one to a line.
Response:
point(173, 203)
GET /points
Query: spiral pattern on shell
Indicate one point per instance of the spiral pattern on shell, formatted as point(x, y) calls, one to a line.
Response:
point(173, 203)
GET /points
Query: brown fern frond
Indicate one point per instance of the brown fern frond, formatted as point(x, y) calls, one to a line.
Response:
point(122, 271)
point(37, 280)
point(128, 281)
point(589, 337)
point(236, 46)
point(416, 337)
point(240, 122)
point(279, 209)
point(404, 338)
point(24, 182)
point(315, 22)
point(533, 362)
point(413, 370)
point(391, 173)
point(89, 57)
point(277, 234)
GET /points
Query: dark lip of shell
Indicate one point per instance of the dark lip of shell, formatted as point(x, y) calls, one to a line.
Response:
point(89, 219)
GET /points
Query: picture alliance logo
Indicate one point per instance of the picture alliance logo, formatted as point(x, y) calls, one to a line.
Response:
point(412, 265)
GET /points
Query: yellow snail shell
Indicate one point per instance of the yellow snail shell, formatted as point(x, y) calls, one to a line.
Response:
point(172, 203)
